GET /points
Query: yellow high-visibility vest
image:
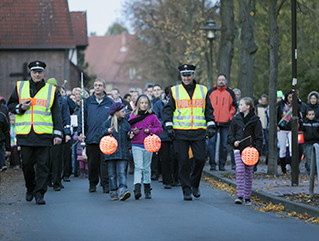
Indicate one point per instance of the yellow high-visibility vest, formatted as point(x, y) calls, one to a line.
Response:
point(39, 115)
point(189, 113)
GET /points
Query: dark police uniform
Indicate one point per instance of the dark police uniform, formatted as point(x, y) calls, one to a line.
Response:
point(189, 129)
point(35, 148)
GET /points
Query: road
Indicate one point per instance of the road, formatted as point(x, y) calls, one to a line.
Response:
point(76, 214)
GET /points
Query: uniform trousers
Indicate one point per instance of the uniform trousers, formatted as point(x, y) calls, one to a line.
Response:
point(55, 164)
point(97, 166)
point(167, 162)
point(35, 169)
point(190, 173)
point(67, 162)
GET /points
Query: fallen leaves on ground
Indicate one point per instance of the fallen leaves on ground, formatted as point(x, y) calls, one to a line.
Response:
point(263, 206)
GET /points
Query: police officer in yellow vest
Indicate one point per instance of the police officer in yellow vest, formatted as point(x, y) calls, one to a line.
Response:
point(188, 118)
point(38, 126)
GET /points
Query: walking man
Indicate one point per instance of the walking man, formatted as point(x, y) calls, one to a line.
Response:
point(224, 104)
point(96, 112)
point(38, 126)
point(187, 115)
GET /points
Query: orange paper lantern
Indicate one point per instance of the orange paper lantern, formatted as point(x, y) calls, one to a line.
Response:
point(108, 145)
point(250, 156)
point(152, 143)
point(300, 137)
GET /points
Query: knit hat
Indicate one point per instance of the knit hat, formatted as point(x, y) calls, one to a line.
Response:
point(52, 81)
point(140, 96)
point(116, 107)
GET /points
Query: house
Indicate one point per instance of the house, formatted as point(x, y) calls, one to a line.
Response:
point(40, 30)
point(107, 55)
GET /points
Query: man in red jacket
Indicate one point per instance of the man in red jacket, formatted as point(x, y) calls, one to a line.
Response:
point(224, 104)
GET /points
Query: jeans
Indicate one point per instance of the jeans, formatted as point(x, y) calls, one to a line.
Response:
point(142, 162)
point(117, 174)
point(222, 149)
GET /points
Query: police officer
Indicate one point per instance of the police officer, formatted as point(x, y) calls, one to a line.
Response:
point(188, 117)
point(38, 126)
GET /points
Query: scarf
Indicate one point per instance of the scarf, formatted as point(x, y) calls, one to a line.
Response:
point(141, 116)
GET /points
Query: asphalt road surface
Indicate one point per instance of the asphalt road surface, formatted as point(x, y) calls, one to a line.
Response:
point(76, 214)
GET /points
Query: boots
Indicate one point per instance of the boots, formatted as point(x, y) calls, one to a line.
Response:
point(283, 165)
point(137, 191)
point(147, 191)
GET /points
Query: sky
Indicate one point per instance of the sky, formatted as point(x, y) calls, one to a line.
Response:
point(101, 14)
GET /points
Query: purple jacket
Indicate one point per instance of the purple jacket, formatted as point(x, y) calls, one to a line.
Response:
point(150, 122)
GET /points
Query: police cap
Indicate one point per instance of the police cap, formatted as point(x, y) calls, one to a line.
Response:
point(37, 65)
point(187, 69)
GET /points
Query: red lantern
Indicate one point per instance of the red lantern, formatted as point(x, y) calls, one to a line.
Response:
point(250, 156)
point(152, 143)
point(108, 145)
point(300, 137)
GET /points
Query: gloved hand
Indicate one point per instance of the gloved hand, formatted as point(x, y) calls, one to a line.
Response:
point(211, 131)
point(170, 132)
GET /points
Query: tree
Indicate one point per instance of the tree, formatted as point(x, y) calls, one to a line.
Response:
point(116, 28)
point(273, 82)
point(226, 51)
point(247, 47)
point(168, 33)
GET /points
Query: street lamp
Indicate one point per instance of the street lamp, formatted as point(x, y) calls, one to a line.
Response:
point(210, 29)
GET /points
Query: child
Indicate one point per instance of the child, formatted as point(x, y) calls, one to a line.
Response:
point(245, 130)
point(117, 162)
point(82, 159)
point(143, 122)
point(310, 128)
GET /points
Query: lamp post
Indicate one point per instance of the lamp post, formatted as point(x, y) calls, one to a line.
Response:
point(210, 29)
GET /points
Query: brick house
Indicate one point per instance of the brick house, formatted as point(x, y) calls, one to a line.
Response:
point(43, 30)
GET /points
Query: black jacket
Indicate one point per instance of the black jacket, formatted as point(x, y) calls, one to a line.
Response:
point(310, 129)
point(4, 131)
point(241, 128)
point(33, 139)
point(170, 107)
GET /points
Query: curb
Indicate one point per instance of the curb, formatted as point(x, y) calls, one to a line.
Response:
point(289, 205)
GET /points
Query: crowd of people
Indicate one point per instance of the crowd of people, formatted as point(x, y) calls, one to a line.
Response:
point(52, 133)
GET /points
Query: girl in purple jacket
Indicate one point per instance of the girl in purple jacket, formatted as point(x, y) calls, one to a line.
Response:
point(143, 123)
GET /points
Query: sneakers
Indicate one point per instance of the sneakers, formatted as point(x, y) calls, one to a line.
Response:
point(196, 192)
point(239, 200)
point(4, 168)
point(248, 202)
point(125, 195)
point(113, 195)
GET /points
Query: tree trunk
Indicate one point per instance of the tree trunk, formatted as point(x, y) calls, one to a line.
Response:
point(247, 47)
point(273, 82)
point(226, 50)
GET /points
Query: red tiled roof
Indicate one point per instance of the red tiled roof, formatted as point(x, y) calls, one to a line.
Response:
point(79, 28)
point(105, 57)
point(35, 24)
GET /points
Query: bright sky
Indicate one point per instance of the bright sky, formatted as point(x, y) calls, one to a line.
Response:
point(101, 14)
